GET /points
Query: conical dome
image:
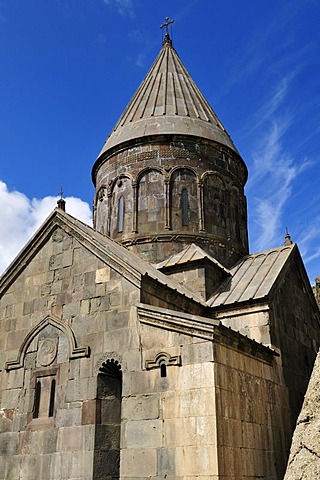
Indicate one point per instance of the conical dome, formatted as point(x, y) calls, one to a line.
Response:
point(169, 174)
point(168, 102)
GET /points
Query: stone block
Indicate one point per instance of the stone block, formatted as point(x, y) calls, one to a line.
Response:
point(166, 463)
point(10, 398)
point(68, 417)
point(106, 464)
point(196, 461)
point(138, 463)
point(195, 402)
point(71, 310)
point(107, 437)
point(70, 439)
point(85, 307)
point(9, 443)
point(15, 378)
point(143, 433)
point(6, 420)
point(67, 258)
point(89, 412)
point(181, 431)
point(196, 375)
point(197, 353)
point(13, 468)
point(144, 382)
point(55, 261)
point(81, 389)
point(103, 275)
point(140, 407)
point(15, 339)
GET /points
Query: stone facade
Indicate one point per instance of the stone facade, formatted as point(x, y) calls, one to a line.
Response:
point(192, 366)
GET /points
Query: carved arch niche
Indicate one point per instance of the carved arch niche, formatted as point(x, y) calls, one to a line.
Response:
point(49, 344)
point(121, 207)
point(184, 200)
point(50, 341)
point(106, 462)
point(216, 204)
point(151, 201)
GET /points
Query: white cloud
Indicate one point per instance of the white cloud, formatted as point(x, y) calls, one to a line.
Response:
point(20, 217)
point(124, 7)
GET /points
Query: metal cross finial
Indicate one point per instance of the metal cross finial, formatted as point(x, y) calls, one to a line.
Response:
point(166, 24)
point(61, 192)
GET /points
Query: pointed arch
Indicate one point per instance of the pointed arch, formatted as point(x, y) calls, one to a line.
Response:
point(74, 350)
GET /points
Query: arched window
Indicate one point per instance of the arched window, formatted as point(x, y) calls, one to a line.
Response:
point(106, 461)
point(120, 214)
point(184, 206)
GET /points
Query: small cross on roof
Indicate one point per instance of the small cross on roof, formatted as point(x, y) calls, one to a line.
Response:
point(166, 24)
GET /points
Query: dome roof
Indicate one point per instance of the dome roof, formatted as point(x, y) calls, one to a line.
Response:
point(168, 102)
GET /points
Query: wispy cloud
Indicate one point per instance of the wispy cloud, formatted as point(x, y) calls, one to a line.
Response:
point(123, 7)
point(274, 169)
point(273, 176)
point(22, 216)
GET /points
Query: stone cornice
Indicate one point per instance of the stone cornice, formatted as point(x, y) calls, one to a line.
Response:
point(204, 328)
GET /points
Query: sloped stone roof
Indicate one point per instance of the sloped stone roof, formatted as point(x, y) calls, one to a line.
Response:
point(191, 253)
point(253, 277)
point(168, 102)
point(130, 264)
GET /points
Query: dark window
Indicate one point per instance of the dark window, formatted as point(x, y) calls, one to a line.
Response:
point(184, 206)
point(120, 214)
point(36, 404)
point(44, 396)
point(163, 370)
point(52, 394)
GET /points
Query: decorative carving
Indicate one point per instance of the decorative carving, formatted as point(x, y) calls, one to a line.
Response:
point(47, 351)
point(163, 358)
point(74, 350)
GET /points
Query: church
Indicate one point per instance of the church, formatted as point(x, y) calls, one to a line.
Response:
point(153, 345)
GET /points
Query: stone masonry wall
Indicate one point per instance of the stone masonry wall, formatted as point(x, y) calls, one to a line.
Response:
point(66, 303)
point(169, 422)
point(252, 417)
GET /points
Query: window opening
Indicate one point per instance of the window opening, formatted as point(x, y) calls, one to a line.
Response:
point(52, 395)
point(163, 370)
point(120, 214)
point(184, 206)
point(36, 404)
point(44, 396)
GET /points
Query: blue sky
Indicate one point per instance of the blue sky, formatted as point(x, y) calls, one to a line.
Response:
point(69, 68)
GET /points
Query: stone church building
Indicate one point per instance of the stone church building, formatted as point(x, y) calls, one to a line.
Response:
point(154, 345)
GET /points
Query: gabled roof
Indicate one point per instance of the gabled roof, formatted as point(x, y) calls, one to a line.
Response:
point(191, 253)
point(168, 102)
point(253, 277)
point(108, 250)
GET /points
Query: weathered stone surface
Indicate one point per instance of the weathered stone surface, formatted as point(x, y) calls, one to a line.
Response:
point(304, 460)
